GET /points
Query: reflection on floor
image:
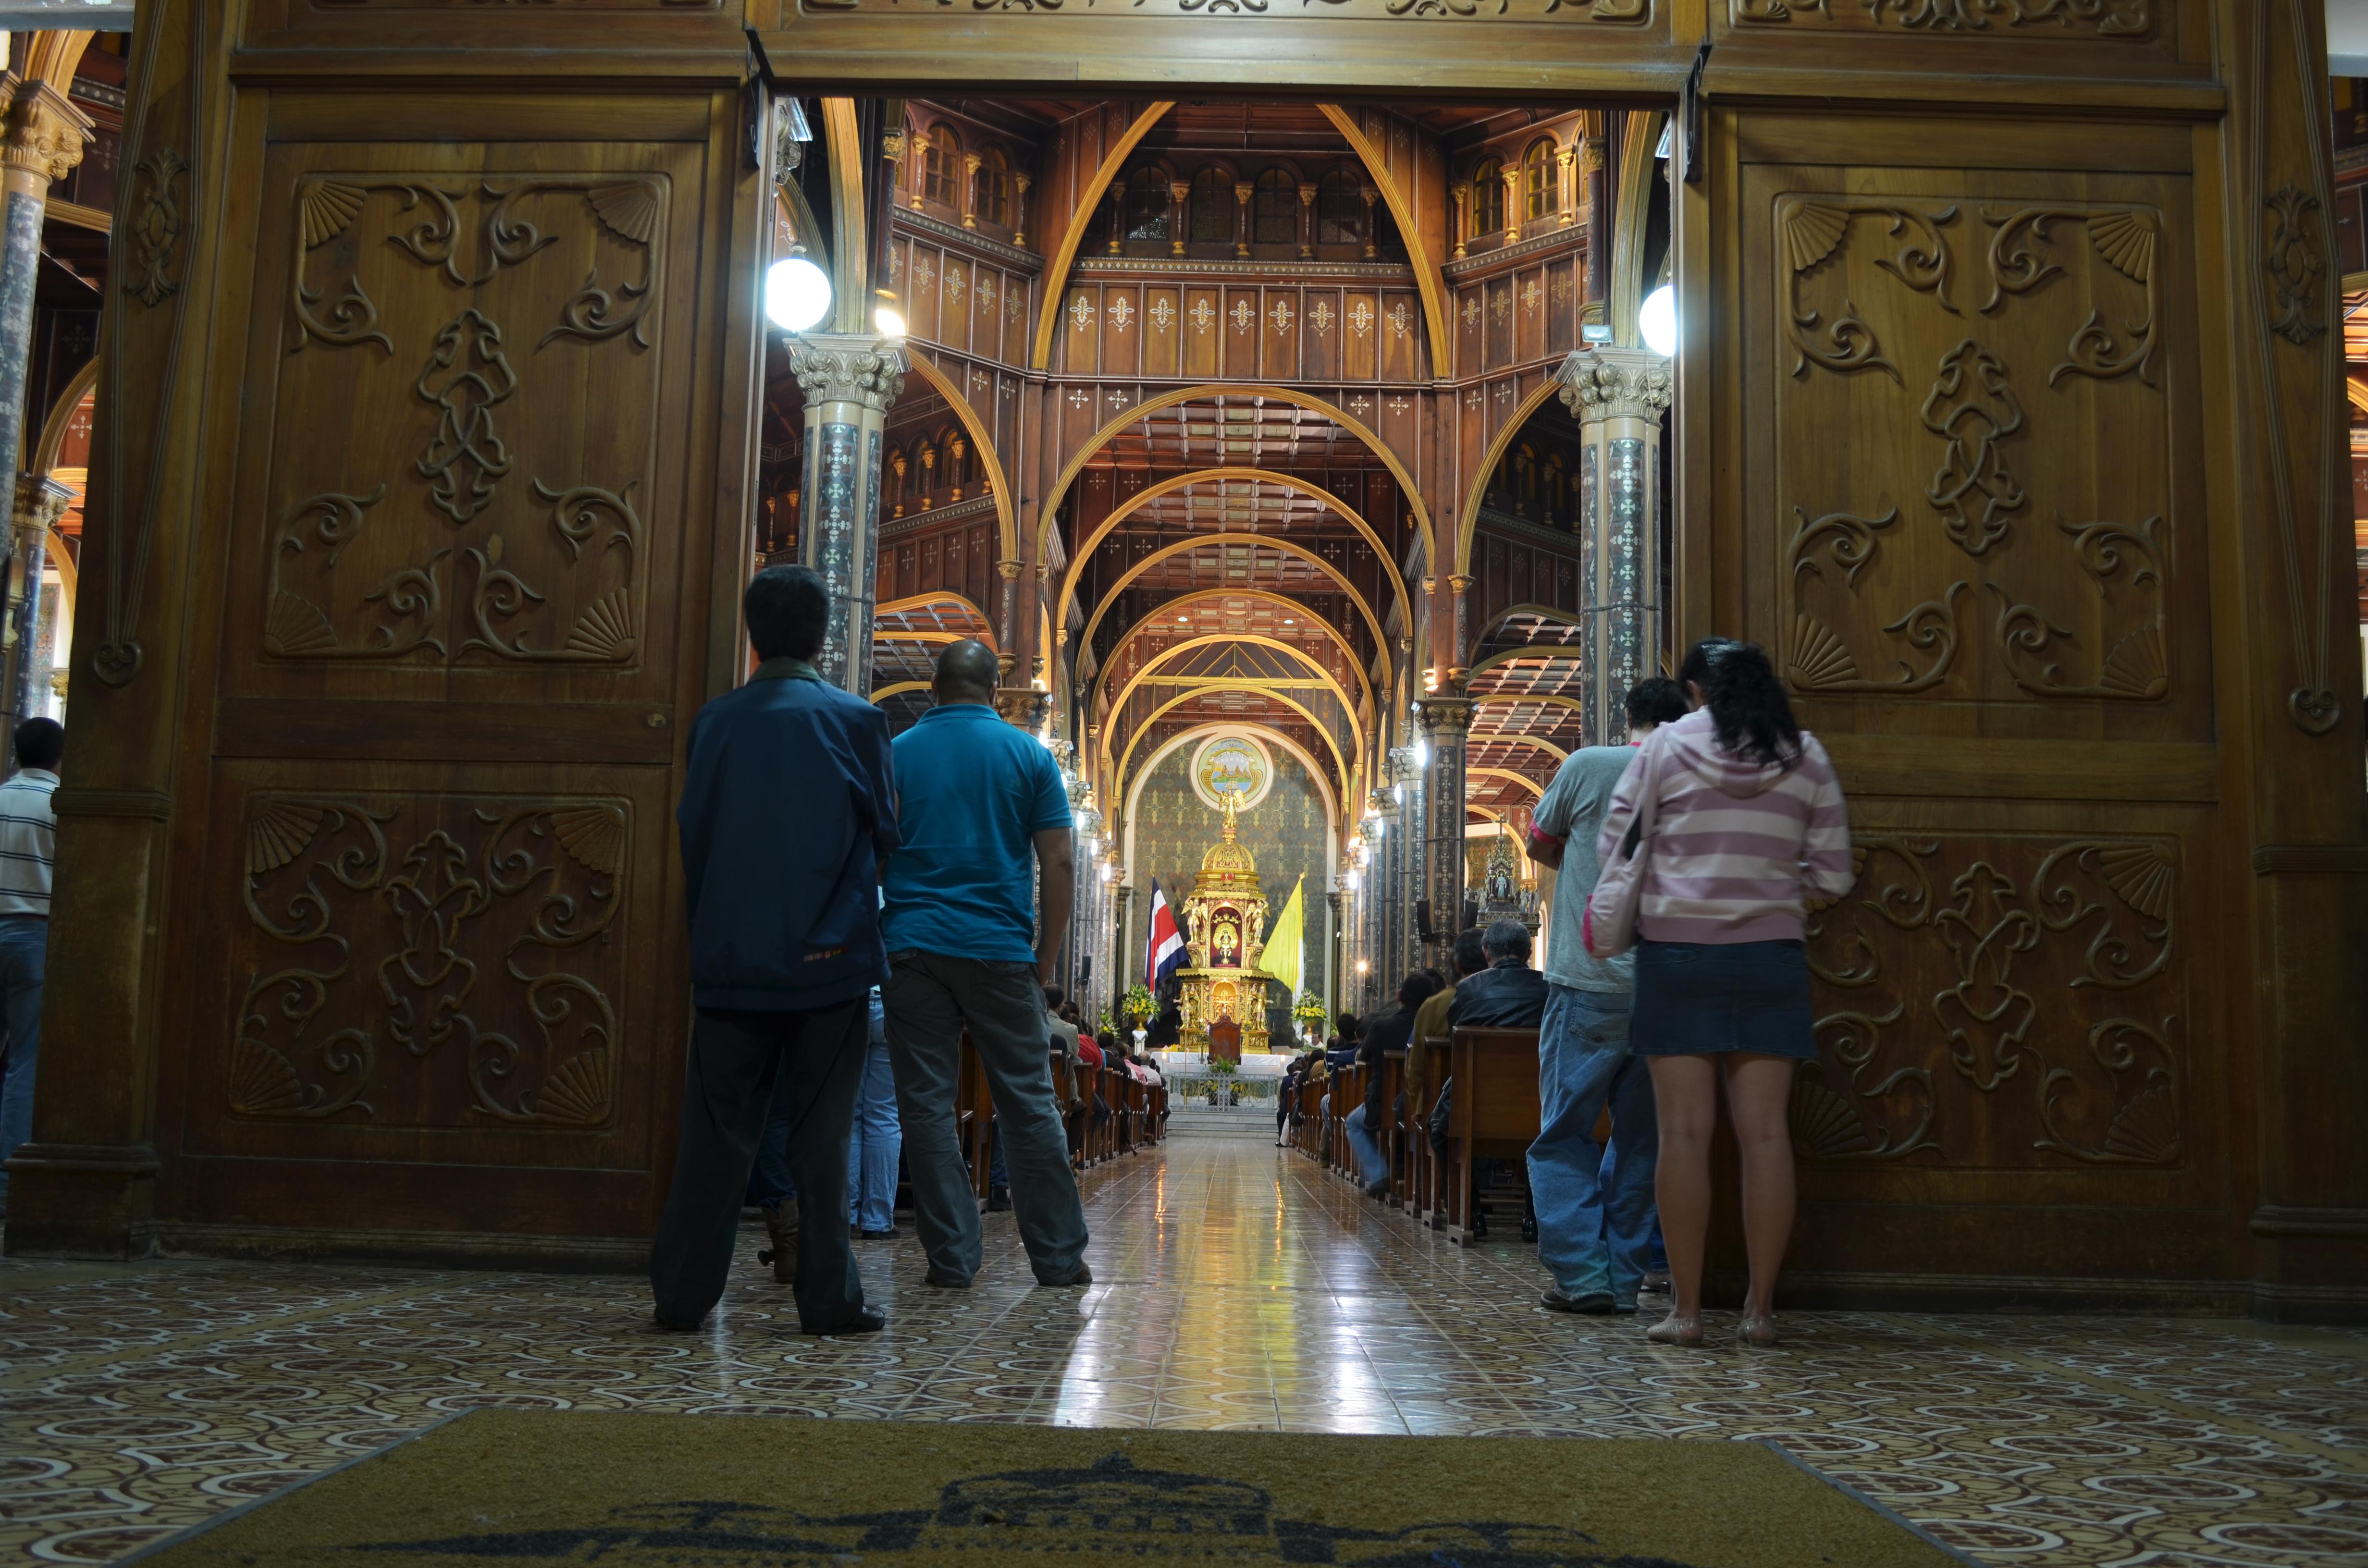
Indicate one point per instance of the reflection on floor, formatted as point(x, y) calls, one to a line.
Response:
point(1235, 1286)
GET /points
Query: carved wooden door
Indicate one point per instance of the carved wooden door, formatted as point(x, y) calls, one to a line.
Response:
point(464, 559)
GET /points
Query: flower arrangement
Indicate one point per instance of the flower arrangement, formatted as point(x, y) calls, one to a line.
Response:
point(1138, 1004)
point(1221, 1068)
point(1310, 1010)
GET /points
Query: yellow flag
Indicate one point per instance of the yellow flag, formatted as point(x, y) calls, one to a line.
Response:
point(1281, 957)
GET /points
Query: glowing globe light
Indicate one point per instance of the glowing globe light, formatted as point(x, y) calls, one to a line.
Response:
point(891, 325)
point(1657, 321)
point(796, 295)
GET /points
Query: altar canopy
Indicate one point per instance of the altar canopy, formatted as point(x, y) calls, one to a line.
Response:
point(1224, 927)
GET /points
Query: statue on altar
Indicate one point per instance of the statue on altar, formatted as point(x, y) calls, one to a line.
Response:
point(1507, 890)
point(1224, 924)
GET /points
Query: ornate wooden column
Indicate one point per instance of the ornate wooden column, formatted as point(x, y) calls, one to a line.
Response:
point(849, 382)
point(1306, 221)
point(1445, 721)
point(1515, 207)
point(1019, 184)
point(1618, 395)
point(1180, 216)
point(1370, 195)
point(1242, 194)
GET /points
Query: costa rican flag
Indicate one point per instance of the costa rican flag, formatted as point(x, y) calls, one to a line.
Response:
point(1166, 954)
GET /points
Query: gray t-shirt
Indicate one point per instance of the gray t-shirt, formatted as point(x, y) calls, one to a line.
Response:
point(1572, 809)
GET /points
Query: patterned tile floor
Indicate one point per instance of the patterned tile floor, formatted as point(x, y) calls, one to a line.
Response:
point(1235, 1286)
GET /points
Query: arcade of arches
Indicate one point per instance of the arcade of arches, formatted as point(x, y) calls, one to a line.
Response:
point(1268, 388)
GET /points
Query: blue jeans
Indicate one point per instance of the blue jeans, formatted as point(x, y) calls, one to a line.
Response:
point(879, 1139)
point(1371, 1160)
point(768, 1178)
point(24, 955)
point(1596, 1229)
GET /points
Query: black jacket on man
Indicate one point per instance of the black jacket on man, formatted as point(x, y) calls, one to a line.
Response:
point(1389, 1032)
point(1508, 994)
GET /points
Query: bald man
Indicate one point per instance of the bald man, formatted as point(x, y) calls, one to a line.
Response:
point(981, 816)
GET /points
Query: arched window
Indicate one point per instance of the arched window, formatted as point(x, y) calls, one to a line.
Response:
point(1540, 183)
point(1147, 204)
point(990, 190)
point(1487, 199)
point(941, 166)
point(1274, 210)
point(1339, 211)
point(1212, 208)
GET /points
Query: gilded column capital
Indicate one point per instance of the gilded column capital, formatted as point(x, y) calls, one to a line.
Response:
point(1021, 705)
point(46, 133)
point(1446, 718)
point(41, 501)
point(1614, 383)
point(1459, 583)
point(848, 368)
point(1010, 570)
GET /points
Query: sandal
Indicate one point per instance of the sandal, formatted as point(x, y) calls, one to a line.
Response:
point(1757, 1333)
point(1675, 1330)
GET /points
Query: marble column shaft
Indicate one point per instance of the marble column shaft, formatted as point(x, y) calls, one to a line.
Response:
point(849, 382)
point(1618, 396)
point(41, 501)
point(1445, 723)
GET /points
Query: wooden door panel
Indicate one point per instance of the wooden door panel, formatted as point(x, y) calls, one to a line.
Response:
point(1974, 387)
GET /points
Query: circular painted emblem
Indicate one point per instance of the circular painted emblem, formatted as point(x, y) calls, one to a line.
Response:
point(1234, 764)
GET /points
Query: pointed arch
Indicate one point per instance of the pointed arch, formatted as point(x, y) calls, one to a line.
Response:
point(1470, 522)
point(1168, 486)
point(1355, 729)
point(1056, 266)
point(1543, 612)
point(1324, 785)
point(61, 414)
point(851, 253)
point(1047, 515)
point(1007, 520)
point(1536, 651)
point(1260, 540)
point(1117, 775)
point(897, 688)
point(1536, 790)
point(1269, 596)
point(1426, 271)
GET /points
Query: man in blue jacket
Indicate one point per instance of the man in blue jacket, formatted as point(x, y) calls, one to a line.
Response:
point(789, 809)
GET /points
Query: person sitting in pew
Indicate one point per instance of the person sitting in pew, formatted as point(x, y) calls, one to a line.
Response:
point(1430, 1020)
point(1389, 1032)
point(1508, 994)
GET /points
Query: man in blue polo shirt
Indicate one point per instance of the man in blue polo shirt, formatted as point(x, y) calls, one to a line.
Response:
point(980, 811)
point(788, 808)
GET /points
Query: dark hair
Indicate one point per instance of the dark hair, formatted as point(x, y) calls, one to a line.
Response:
point(1656, 700)
point(1438, 981)
point(41, 742)
point(1470, 951)
point(1415, 989)
point(1350, 1027)
point(1055, 996)
point(1507, 938)
point(1749, 710)
point(968, 667)
point(788, 611)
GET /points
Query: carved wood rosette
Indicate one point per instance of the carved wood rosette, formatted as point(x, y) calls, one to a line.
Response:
point(423, 961)
point(1886, 587)
point(496, 291)
point(1999, 1001)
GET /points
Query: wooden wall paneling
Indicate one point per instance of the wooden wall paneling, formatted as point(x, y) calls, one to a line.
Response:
point(1203, 333)
point(1279, 333)
point(1471, 341)
point(1361, 328)
point(1320, 332)
point(1405, 353)
point(423, 412)
point(1164, 329)
point(1496, 322)
point(1122, 329)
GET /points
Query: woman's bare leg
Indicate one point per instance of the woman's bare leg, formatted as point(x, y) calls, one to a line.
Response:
point(1759, 1099)
point(1685, 1100)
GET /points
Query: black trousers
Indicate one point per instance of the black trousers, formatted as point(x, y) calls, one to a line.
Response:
point(734, 1059)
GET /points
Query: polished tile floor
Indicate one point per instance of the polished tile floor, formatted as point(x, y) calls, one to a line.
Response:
point(1235, 1286)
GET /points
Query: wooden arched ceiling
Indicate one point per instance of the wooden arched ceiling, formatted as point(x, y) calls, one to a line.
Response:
point(1248, 612)
point(1279, 711)
point(1249, 426)
point(1218, 561)
point(1227, 664)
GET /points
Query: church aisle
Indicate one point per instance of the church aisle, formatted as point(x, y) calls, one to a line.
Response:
point(1235, 1286)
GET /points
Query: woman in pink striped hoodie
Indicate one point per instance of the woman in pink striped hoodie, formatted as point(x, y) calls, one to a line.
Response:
point(1749, 824)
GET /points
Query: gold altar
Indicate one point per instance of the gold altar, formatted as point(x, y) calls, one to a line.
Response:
point(1224, 932)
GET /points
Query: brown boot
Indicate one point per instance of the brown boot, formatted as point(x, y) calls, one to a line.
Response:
point(781, 1221)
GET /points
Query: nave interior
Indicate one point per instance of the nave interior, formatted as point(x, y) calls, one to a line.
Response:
point(1236, 1286)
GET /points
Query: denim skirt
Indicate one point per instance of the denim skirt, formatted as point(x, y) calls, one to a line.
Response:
point(1710, 998)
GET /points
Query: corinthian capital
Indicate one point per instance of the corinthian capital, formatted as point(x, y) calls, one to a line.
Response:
point(45, 132)
point(1444, 718)
point(848, 368)
point(1613, 384)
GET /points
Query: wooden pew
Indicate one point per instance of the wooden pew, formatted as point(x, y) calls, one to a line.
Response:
point(1496, 1114)
point(1389, 1129)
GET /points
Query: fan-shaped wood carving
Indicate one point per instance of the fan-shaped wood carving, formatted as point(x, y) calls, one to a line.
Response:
point(2139, 664)
point(278, 832)
point(1818, 658)
point(595, 835)
point(1812, 230)
point(1823, 1123)
point(2126, 241)
point(2145, 1131)
point(328, 208)
point(605, 630)
point(263, 1082)
point(2139, 877)
point(296, 627)
point(630, 210)
point(580, 1091)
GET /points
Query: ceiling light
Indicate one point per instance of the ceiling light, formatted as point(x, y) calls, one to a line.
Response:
point(797, 293)
point(1657, 321)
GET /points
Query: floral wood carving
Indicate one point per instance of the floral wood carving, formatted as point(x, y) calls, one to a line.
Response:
point(2033, 952)
point(2124, 19)
point(153, 265)
point(1811, 232)
point(1815, 658)
point(2294, 260)
point(1971, 408)
point(467, 377)
point(490, 937)
point(608, 630)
